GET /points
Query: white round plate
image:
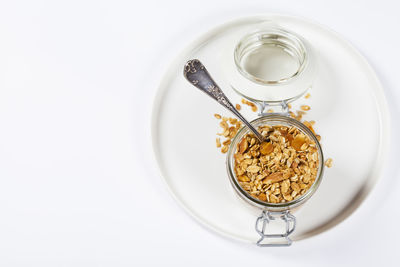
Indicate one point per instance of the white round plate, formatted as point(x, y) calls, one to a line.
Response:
point(347, 103)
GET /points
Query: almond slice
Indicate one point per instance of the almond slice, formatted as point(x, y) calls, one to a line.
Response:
point(243, 146)
point(274, 178)
point(266, 148)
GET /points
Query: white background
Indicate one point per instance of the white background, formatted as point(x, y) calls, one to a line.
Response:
point(78, 184)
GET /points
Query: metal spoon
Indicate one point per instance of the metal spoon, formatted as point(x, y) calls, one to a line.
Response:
point(198, 75)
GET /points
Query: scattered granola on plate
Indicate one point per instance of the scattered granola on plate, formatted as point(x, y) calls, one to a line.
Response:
point(230, 126)
point(251, 104)
point(329, 162)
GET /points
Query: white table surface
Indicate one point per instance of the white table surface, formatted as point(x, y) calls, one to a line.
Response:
point(78, 184)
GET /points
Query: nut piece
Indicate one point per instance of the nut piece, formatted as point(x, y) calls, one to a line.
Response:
point(232, 121)
point(262, 197)
point(243, 178)
point(329, 162)
point(298, 142)
point(295, 187)
point(243, 146)
point(227, 142)
point(273, 178)
point(217, 116)
point(266, 148)
point(251, 104)
point(285, 186)
point(218, 142)
point(224, 125)
point(253, 169)
point(238, 107)
point(307, 96)
point(305, 107)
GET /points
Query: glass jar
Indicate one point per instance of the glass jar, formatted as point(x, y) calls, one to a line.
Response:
point(274, 211)
point(250, 75)
point(271, 66)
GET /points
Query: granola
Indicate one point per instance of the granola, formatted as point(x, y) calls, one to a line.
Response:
point(305, 107)
point(280, 169)
point(230, 126)
point(218, 142)
point(329, 163)
point(249, 103)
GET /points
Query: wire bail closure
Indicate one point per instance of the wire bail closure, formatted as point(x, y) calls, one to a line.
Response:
point(261, 226)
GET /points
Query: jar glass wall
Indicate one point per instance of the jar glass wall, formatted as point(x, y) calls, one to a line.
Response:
point(273, 120)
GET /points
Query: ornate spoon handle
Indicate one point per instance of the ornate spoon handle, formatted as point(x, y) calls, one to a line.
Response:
point(198, 75)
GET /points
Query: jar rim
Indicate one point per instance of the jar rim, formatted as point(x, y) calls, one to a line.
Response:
point(266, 205)
point(291, 43)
